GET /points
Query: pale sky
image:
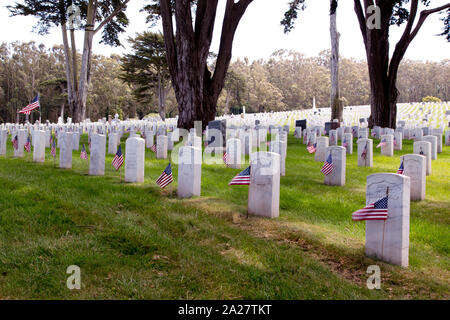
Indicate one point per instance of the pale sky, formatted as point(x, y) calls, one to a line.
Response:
point(259, 33)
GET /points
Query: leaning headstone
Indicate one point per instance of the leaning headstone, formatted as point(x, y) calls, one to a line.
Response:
point(134, 159)
point(388, 240)
point(414, 166)
point(97, 156)
point(264, 190)
point(189, 172)
point(321, 149)
point(424, 148)
point(65, 153)
point(347, 142)
point(39, 146)
point(387, 149)
point(161, 147)
point(365, 152)
point(337, 176)
point(234, 153)
point(433, 141)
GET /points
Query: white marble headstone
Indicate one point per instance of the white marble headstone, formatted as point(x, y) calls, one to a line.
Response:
point(264, 190)
point(388, 240)
point(189, 172)
point(97, 155)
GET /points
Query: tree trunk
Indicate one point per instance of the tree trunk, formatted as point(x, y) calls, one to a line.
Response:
point(161, 99)
point(336, 111)
point(70, 89)
point(378, 65)
point(86, 60)
point(196, 90)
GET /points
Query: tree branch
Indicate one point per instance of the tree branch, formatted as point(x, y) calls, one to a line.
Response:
point(111, 16)
point(169, 39)
point(233, 15)
point(409, 36)
point(423, 16)
point(361, 19)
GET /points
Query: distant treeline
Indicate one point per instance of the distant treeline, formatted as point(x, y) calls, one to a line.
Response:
point(290, 80)
point(286, 81)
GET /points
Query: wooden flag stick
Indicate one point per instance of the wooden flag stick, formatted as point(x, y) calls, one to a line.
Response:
point(384, 227)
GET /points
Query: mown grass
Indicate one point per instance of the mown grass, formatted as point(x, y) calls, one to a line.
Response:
point(135, 241)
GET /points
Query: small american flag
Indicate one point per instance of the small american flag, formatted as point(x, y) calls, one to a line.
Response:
point(15, 142)
point(400, 170)
point(83, 154)
point(327, 167)
point(311, 147)
point(243, 178)
point(34, 104)
point(153, 148)
point(382, 143)
point(395, 141)
point(332, 138)
point(364, 153)
point(53, 150)
point(374, 211)
point(118, 158)
point(225, 158)
point(166, 177)
point(27, 145)
point(344, 143)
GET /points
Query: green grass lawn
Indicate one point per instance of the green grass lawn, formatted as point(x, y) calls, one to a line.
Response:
point(135, 241)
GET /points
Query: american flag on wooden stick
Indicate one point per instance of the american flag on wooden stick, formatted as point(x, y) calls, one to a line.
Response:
point(327, 167)
point(53, 150)
point(27, 145)
point(153, 148)
point(243, 178)
point(345, 143)
point(400, 169)
point(382, 143)
point(34, 104)
point(118, 158)
point(364, 153)
point(83, 154)
point(15, 142)
point(166, 177)
point(311, 147)
point(374, 211)
point(225, 158)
